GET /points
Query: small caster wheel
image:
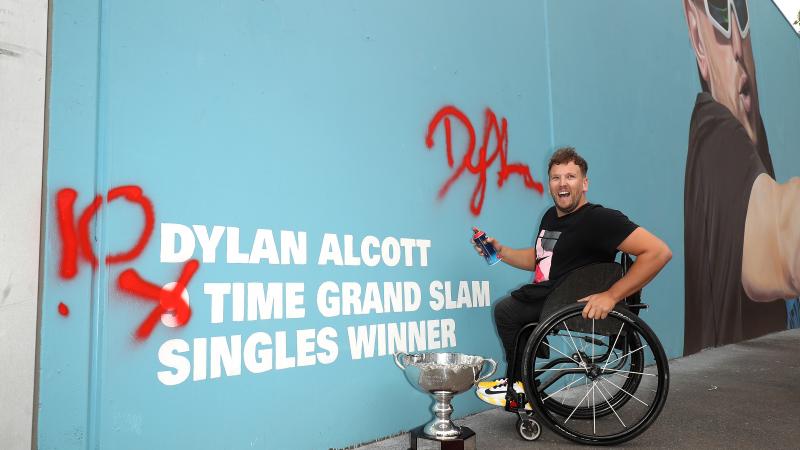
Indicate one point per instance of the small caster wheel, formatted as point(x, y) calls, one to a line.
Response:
point(529, 429)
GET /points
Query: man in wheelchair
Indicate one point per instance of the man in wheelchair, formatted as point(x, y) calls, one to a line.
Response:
point(573, 234)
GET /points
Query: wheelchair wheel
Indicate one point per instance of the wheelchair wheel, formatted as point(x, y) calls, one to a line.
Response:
point(599, 382)
point(529, 429)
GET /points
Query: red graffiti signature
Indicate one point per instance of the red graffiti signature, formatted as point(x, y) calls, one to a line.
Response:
point(484, 161)
point(76, 241)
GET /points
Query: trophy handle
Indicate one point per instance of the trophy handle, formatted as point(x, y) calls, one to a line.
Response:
point(494, 369)
point(397, 360)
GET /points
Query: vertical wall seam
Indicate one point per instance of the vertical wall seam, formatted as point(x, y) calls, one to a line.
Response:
point(99, 277)
point(48, 79)
point(549, 74)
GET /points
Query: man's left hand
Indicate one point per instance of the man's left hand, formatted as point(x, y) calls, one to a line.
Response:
point(597, 305)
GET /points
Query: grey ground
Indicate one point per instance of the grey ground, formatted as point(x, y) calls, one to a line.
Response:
point(744, 395)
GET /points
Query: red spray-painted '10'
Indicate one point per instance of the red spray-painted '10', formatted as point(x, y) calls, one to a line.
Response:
point(76, 236)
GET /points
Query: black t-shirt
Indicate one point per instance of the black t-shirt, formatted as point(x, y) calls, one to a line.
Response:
point(588, 235)
point(721, 166)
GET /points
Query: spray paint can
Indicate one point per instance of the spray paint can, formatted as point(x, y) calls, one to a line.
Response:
point(489, 252)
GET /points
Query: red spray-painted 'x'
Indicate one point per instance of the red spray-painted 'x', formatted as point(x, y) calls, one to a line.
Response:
point(169, 300)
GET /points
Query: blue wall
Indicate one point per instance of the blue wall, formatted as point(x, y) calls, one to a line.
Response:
point(311, 117)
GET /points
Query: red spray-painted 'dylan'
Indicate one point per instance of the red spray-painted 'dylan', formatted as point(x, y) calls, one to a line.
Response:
point(491, 126)
point(76, 243)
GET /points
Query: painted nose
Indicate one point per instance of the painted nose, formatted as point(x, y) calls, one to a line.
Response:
point(736, 37)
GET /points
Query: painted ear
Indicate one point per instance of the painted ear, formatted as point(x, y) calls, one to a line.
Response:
point(696, 38)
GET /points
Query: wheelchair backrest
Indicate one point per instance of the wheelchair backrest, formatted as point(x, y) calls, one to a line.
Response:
point(636, 298)
point(583, 282)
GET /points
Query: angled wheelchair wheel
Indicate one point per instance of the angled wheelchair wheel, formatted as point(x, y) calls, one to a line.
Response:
point(600, 382)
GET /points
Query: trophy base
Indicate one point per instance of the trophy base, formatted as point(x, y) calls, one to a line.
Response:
point(465, 441)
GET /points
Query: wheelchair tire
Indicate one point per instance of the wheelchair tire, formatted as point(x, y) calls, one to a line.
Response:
point(560, 403)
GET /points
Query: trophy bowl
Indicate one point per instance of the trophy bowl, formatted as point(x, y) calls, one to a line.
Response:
point(443, 375)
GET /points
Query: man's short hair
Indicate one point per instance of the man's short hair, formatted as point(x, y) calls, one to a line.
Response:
point(565, 155)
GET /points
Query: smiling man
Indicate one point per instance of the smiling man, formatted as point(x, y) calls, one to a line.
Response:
point(573, 233)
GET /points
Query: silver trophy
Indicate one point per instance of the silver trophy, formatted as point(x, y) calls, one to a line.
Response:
point(443, 375)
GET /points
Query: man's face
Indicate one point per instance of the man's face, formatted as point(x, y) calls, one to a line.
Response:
point(568, 187)
point(730, 69)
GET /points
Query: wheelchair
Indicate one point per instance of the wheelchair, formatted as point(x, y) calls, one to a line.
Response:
point(597, 382)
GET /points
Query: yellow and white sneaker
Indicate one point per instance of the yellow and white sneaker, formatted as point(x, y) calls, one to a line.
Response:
point(494, 392)
point(492, 383)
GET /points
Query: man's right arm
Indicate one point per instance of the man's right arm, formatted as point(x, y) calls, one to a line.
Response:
point(521, 258)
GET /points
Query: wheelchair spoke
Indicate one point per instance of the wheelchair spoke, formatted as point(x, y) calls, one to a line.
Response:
point(610, 395)
point(586, 382)
point(565, 387)
point(594, 410)
point(585, 397)
point(623, 390)
point(628, 371)
point(559, 351)
point(618, 362)
point(592, 342)
point(626, 354)
point(575, 346)
point(600, 390)
point(615, 342)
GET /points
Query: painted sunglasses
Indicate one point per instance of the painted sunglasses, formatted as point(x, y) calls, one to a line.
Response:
point(720, 11)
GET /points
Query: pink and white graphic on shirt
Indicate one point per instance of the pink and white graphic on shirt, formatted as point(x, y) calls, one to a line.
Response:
point(545, 244)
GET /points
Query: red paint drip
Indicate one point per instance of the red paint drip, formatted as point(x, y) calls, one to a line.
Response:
point(491, 127)
point(169, 300)
point(63, 309)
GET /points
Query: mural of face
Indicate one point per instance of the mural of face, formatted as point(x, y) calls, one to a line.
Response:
point(720, 34)
point(568, 186)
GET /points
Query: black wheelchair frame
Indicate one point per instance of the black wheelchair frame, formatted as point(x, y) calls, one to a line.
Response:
point(638, 358)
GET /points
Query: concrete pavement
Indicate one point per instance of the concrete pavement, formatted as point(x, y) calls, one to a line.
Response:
point(744, 395)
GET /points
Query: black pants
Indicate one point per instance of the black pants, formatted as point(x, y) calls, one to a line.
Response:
point(510, 315)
